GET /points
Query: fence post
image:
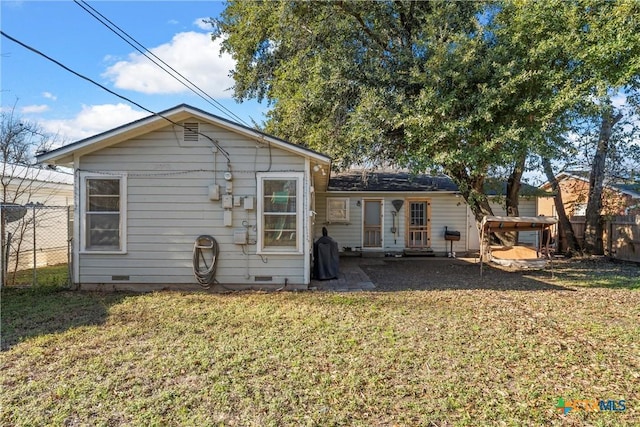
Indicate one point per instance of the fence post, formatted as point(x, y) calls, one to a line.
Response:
point(35, 257)
point(3, 267)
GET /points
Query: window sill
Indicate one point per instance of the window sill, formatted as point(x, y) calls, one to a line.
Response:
point(274, 252)
point(99, 252)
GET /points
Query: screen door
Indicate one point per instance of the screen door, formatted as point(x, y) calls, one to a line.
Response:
point(372, 224)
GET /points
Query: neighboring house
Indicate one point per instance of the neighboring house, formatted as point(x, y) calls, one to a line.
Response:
point(617, 198)
point(147, 191)
point(24, 184)
point(35, 199)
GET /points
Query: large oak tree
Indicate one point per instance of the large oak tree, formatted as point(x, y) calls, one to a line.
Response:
point(462, 87)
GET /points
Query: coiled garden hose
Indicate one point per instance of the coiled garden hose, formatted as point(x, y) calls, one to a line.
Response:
point(205, 272)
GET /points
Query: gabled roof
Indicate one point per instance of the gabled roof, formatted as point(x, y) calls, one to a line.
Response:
point(630, 189)
point(64, 155)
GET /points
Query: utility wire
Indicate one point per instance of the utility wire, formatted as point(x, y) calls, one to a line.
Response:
point(36, 51)
point(131, 41)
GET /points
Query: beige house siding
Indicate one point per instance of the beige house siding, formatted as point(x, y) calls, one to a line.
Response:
point(34, 185)
point(575, 195)
point(168, 207)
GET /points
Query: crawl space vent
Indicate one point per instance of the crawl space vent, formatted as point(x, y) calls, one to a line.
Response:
point(191, 132)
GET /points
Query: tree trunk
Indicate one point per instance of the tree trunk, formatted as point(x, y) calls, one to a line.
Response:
point(593, 225)
point(513, 196)
point(565, 225)
point(472, 190)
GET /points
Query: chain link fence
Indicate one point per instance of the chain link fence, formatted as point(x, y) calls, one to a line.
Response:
point(36, 245)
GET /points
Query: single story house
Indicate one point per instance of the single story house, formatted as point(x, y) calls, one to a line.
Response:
point(618, 198)
point(184, 197)
point(146, 191)
point(27, 184)
point(399, 213)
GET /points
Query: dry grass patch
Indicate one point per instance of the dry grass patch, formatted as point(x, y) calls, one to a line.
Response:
point(405, 358)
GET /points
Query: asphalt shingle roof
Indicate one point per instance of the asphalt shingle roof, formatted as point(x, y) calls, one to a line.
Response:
point(406, 182)
point(389, 181)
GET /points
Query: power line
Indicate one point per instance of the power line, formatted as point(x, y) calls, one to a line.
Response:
point(36, 51)
point(131, 41)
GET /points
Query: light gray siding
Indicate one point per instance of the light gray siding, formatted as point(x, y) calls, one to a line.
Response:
point(168, 207)
point(446, 210)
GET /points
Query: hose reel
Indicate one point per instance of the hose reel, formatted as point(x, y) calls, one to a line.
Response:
point(205, 269)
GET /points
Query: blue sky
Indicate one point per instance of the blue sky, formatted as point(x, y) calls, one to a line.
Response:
point(65, 104)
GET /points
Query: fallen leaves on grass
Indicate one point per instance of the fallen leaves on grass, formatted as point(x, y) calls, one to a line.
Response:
point(404, 358)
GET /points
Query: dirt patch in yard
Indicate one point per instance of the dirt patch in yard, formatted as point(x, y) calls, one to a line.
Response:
point(397, 274)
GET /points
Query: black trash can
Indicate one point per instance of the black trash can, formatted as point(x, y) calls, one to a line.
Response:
point(326, 259)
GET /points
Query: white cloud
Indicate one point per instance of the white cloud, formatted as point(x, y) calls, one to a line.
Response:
point(92, 120)
point(110, 58)
point(619, 100)
point(192, 54)
point(200, 23)
point(49, 95)
point(32, 109)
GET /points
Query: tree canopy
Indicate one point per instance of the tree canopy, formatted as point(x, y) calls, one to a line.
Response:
point(462, 87)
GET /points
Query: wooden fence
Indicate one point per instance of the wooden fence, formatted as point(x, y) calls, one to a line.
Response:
point(621, 239)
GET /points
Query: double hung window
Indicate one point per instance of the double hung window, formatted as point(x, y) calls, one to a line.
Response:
point(337, 209)
point(280, 212)
point(104, 216)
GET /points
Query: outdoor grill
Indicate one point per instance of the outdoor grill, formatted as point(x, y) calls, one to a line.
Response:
point(451, 236)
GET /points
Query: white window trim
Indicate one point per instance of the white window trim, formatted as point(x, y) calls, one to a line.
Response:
point(346, 202)
point(84, 176)
point(299, 177)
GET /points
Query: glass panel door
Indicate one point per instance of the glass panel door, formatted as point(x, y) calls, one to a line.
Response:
point(372, 225)
point(418, 224)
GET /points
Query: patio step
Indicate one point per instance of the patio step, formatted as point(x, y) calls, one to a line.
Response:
point(419, 252)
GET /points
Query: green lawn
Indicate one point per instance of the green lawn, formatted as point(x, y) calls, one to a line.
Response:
point(454, 357)
point(54, 275)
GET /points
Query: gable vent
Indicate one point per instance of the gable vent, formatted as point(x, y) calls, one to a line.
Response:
point(191, 132)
